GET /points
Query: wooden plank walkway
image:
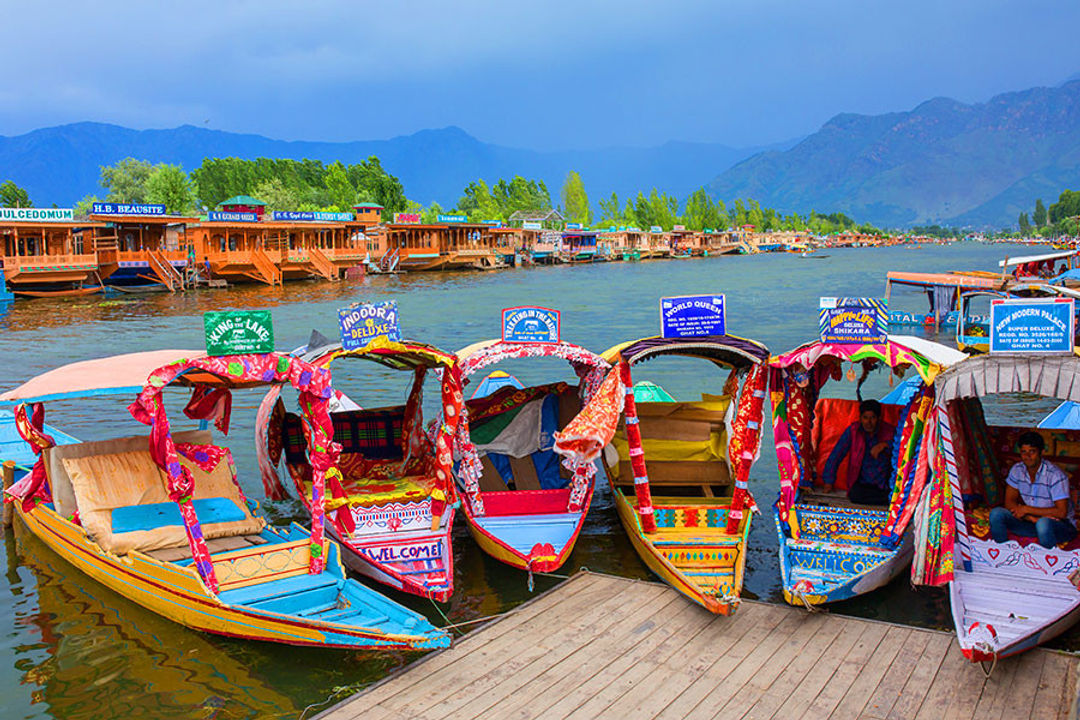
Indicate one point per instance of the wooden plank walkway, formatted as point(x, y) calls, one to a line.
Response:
point(602, 646)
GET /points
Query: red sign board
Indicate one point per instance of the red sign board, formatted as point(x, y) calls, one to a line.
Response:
point(407, 218)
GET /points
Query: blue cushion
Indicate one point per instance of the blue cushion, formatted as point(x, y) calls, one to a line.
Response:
point(148, 517)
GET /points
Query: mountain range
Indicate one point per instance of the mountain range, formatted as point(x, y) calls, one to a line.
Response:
point(63, 164)
point(947, 162)
point(943, 162)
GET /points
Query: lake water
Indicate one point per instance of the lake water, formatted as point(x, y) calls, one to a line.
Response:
point(74, 649)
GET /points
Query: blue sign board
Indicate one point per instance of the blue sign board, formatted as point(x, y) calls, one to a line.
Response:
point(108, 208)
point(692, 316)
point(297, 216)
point(858, 321)
point(363, 322)
point(573, 226)
point(226, 216)
point(1045, 325)
point(656, 229)
point(452, 218)
point(530, 324)
point(493, 223)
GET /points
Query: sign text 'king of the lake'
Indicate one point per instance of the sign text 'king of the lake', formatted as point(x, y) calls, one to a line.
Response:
point(240, 332)
point(363, 322)
point(693, 316)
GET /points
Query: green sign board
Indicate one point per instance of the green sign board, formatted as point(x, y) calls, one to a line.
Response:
point(240, 332)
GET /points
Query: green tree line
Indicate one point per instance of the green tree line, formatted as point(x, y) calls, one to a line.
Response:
point(1061, 218)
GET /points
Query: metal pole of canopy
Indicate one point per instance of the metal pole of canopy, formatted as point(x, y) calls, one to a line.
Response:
point(637, 455)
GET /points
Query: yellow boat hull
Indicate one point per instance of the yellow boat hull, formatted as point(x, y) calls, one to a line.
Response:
point(177, 593)
point(690, 550)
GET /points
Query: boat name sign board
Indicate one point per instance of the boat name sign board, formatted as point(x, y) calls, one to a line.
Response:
point(858, 321)
point(532, 225)
point(37, 214)
point(363, 322)
point(229, 216)
point(108, 208)
point(1042, 325)
point(656, 229)
point(531, 324)
point(452, 218)
point(239, 332)
point(407, 218)
point(299, 216)
point(688, 316)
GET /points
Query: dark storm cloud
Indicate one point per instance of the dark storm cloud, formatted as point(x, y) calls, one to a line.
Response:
point(554, 74)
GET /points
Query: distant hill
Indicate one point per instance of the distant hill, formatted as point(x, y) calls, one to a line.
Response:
point(62, 164)
point(943, 162)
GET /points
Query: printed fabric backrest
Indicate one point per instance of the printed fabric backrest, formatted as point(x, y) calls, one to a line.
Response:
point(374, 434)
point(832, 416)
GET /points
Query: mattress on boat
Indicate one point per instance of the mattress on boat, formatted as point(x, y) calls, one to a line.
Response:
point(96, 478)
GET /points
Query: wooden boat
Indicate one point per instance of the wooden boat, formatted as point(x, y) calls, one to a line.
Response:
point(1006, 597)
point(830, 548)
point(386, 503)
point(696, 455)
point(72, 292)
point(522, 506)
point(162, 519)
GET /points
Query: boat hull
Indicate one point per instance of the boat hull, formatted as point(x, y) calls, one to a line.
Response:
point(177, 593)
point(400, 560)
point(1006, 580)
point(728, 546)
point(543, 555)
point(816, 572)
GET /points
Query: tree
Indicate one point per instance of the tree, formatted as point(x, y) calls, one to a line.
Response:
point(170, 186)
point(479, 204)
point(611, 212)
point(11, 195)
point(1025, 224)
point(276, 196)
point(126, 180)
point(341, 191)
point(84, 206)
point(1039, 216)
point(430, 216)
point(575, 201)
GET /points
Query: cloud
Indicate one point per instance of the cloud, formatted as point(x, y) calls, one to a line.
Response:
point(553, 74)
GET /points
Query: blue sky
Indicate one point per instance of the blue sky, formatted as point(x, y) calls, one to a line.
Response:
point(547, 75)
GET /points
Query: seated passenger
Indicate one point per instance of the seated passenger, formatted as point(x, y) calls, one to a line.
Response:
point(866, 444)
point(1037, 502)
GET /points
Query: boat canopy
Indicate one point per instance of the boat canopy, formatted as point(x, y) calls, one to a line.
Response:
point(927, 357)
point(1055, 376)
point(794, 398)
point(488, 352)
point(956, 430)
point(929, 280)
point(1022, 259)
point(726, 350)
point(117, 375)
point(403, 355)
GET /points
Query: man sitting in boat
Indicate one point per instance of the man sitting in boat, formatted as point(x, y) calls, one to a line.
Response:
point(1037, 502)
point(866, 444)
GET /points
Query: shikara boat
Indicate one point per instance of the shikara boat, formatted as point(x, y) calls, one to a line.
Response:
point(1006, 597)
point(695, 454)
point(830, 548)
point(525, 507)
point(390, 499)
point(161, 518)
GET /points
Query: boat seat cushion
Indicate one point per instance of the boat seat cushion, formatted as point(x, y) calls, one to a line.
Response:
point(368, 492)
point(831, 417)
point(105, 481)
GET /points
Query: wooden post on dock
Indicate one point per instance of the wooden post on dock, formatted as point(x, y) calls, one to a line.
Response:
point(9, 480)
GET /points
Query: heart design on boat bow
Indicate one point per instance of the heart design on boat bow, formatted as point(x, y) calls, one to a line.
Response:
point(993, 553)
point(1052, 560)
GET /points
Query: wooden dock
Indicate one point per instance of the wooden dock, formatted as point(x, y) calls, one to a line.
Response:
point(601, 646)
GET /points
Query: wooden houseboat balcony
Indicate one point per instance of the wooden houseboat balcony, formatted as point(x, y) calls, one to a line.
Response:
point(38, 269)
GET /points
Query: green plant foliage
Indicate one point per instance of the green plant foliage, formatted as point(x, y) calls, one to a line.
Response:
point(11, 195)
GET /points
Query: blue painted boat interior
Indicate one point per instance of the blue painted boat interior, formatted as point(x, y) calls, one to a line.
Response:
point(1065, 416)
point(154, 515)
point(13, 447)
point(523, 532)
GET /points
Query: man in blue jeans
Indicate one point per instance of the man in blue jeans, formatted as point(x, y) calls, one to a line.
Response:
point(1037, 502)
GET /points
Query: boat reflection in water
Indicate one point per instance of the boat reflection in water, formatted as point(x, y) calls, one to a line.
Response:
point(100, 655)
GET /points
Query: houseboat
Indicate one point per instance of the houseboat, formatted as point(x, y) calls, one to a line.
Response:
point(46, 252)
point(144, 243)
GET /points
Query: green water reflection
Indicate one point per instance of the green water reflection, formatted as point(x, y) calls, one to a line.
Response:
point(76, 649)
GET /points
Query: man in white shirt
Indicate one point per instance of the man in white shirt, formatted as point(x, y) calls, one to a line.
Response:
point(1037, 499)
